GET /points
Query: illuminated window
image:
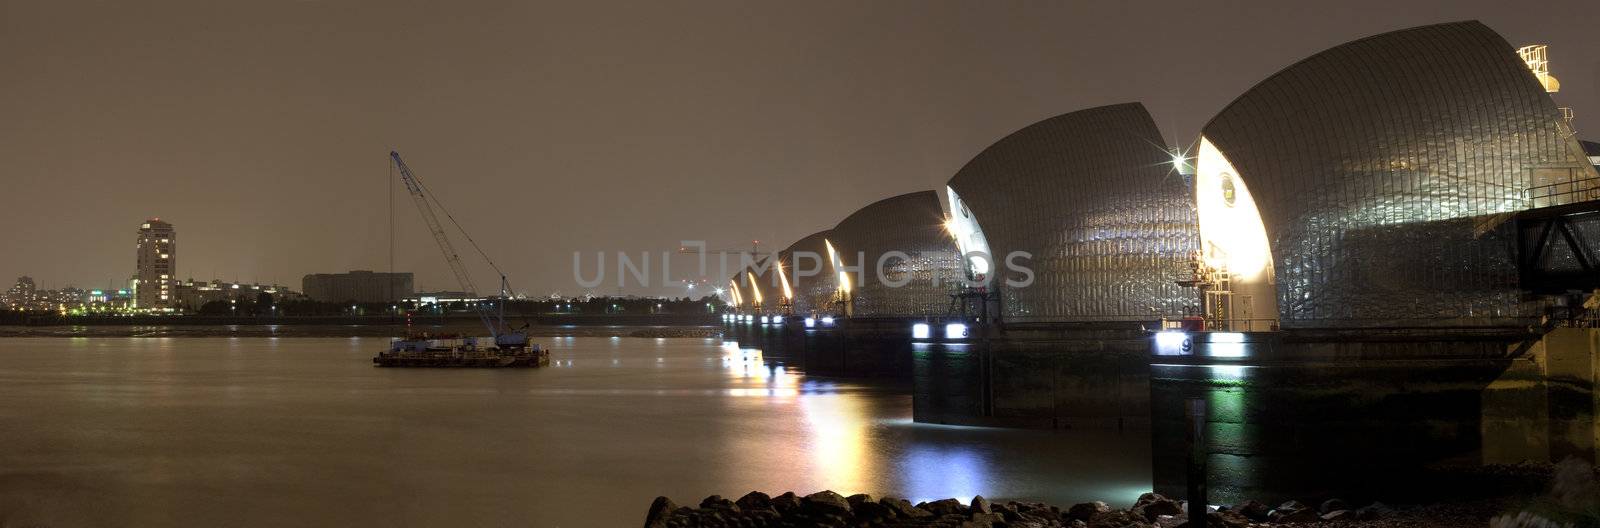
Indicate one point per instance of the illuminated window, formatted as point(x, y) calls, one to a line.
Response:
point(164, 255)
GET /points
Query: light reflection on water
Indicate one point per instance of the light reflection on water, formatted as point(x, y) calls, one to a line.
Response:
point(261, 431)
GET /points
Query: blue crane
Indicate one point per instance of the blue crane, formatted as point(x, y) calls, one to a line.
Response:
point(495, 322)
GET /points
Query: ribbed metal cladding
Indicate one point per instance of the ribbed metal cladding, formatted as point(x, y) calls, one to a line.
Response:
point(1094, 197)
point(912, 224)
point(813, 292)
point(1384, 170)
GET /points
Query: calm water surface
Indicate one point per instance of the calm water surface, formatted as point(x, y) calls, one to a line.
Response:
point(274, 432)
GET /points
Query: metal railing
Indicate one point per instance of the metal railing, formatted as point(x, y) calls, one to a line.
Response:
point(1563, 193)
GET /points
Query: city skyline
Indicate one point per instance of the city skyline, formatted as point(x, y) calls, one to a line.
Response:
point(204, 120)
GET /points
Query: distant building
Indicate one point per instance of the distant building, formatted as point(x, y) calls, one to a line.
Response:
point(26, 295)
point(158, 263)
point(193, 296)
point(1592, 150)
point(108, 301)
point(22, 295)
point(358, 286)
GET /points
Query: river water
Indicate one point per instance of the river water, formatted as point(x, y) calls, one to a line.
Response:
point(304, 431)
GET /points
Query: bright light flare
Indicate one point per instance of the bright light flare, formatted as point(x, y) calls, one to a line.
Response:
point(955, 331)
point(1170, 343)
point(970, 240)
point(1231, 231)
point(920, 331)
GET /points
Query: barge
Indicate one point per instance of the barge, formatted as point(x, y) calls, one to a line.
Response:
point(451, 351)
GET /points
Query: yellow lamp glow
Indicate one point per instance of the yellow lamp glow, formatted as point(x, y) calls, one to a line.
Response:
point(753, 289)
point(838, 266)
point(784, 280)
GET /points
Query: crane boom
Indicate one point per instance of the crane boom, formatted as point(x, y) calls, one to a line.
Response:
point(415, 189)
point(504, 337)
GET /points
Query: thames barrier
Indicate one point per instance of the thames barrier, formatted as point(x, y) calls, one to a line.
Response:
point(1410, 250)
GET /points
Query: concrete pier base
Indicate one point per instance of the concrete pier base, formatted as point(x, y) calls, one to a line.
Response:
point(860, 347)
point(1045, 376)
point(1543, 407)
point(1372, 415)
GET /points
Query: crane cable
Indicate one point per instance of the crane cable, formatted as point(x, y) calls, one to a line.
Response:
point(504, 282)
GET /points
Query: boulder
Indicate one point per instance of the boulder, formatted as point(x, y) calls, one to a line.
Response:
point(1116, 519)
point(1253, 510)
point(1294, 516)
point(754, 500)
point(987, 518)
point(717, 503)
point(1293, 505)
point(858, 499)
point(943, 507)
point(868, 512)
point(1227, 519)
point(1222, 519)
point(1087, 510)
point(711, 517)
point(1334, 505)
point(1146, 498)
point(1157, 507)
point(660, 510)
point(1339, 515)
point(826, 502)
point(903, 508)
point(981, 505)
point(1376, 510)
point(1011, 511)
point(786, 503)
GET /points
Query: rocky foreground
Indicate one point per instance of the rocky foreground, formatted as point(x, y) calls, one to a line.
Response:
point(1151, 510)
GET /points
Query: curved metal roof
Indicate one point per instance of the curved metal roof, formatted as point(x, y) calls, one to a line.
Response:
point(1094, 197)
point(912, 224)
point(1383, 170)
point(810, 275)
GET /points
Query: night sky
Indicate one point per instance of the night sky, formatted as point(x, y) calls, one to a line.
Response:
point(262, 129)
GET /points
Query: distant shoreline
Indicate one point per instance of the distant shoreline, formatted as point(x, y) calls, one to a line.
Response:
point(542, 319)
point(618, 327)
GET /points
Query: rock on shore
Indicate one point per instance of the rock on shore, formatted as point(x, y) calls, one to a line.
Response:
point(830, 509)
point(677, 331)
